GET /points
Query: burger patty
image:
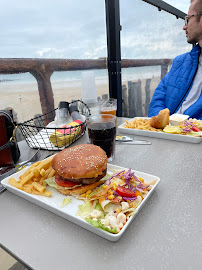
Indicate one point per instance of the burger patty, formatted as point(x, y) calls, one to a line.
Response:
point(80, 190)
point(86, 181)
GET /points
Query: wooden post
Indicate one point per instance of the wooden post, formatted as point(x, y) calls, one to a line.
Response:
point(131, 99)
point(135, 99)
point(45, 92)
point(125, 101)
point(105, 96)
point(164, 70)
point(138, 98)
point(147, 98)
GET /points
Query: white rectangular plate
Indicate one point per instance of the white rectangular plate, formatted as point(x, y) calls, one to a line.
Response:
point(68, 212)
point(160, 135)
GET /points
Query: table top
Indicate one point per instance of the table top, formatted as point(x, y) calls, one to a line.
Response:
point(166, 234)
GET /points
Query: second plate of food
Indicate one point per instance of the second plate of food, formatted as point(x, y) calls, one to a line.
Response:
point(151, 132)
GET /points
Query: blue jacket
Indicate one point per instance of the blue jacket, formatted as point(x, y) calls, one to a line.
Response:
point(175, 86)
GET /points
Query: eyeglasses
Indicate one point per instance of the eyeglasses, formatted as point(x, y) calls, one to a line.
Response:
point(187, 18)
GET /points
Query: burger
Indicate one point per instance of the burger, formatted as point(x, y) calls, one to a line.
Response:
point(78, 169)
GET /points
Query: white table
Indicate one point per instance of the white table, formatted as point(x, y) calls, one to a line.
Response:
point(166, 234)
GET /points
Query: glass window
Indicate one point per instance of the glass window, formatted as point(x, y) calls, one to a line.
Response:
point(147, 34)
point(64, 29)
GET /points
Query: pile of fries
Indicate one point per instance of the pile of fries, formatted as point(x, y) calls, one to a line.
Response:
point(32, 180)
point(140, 123)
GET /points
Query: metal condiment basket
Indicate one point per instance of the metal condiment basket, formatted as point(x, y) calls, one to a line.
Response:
point(38, 130)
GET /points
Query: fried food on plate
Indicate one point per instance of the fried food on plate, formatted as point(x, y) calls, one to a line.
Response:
point(31, 181)
point(140, 123)
point(161, 120)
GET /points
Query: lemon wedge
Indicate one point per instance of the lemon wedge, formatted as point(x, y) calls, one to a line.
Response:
point(172, 129)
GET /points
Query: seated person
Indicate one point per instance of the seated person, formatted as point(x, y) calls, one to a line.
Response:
point(180, 89)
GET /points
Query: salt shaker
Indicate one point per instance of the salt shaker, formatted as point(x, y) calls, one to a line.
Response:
point(62, 113)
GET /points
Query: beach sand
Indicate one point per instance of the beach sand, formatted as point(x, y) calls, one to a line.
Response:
point(24, 97)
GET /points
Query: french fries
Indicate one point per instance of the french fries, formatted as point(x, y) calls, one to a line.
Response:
point(31, 181)
point(140, 123)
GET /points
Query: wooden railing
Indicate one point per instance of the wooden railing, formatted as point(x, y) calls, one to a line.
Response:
point(42, 69)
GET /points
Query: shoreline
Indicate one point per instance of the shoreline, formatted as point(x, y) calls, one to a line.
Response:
point(24, 97)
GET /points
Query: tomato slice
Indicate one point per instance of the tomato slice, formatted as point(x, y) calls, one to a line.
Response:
point(125, 192)
point(64, 183)
point(196, 129)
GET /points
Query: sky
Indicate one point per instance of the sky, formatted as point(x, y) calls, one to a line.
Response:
point(182, 5)
point(76, 29)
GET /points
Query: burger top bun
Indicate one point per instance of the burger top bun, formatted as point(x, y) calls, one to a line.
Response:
point(80, 161)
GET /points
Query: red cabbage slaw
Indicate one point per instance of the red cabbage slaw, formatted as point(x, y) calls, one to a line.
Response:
point(127, 175)
point(187, 126)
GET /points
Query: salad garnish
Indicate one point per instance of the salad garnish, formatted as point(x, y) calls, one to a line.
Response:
point(111, 205)
point(191, 127)
point(66, 201)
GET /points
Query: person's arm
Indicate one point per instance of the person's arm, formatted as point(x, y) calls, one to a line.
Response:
point(158, 101)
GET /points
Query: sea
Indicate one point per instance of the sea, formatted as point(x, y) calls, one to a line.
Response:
point(74, 77)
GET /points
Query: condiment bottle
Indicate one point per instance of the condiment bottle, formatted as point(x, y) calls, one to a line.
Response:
point(70, 132)
point(74, 112)
point(89, 93)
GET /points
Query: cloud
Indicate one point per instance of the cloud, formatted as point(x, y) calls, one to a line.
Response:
point(77, 29)
point(50, 52)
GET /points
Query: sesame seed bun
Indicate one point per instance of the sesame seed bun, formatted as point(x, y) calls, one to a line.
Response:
point(84, 163)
